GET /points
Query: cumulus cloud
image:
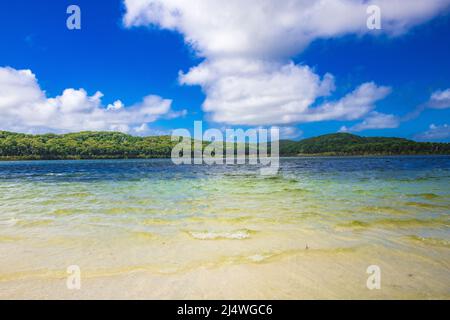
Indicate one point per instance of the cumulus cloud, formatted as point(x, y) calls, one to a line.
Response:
point(257, 93)
point(272, 28)
point(242, 92)
point(247, 75)
point(435, 132)
point(25, 107)
point(375, 120)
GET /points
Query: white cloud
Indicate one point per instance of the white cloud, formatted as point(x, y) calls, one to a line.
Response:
point(116, 105)
point(24, 107)
point(440, 100)
point(351, 107)
point(253, 92)
point(272, 28)
point(435, 132)
point(145, 130)
point(375, 120)
point(242, 92)
point(289, 132)
point(247, 76)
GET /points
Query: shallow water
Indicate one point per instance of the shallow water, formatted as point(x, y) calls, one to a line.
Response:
point(150, 229)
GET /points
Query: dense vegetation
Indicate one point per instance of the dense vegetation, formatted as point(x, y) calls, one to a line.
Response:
point(83, 145)
point(115, 145)
point(349, 144)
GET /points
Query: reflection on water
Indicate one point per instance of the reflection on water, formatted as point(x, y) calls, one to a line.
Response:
point(120, 218)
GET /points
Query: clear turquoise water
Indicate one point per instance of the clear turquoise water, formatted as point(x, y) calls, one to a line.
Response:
point(119, 216)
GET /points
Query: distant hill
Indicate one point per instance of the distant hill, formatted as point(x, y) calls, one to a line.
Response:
point(116, 145)
point(350, 144)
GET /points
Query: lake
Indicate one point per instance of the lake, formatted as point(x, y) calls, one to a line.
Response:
point(151, 229)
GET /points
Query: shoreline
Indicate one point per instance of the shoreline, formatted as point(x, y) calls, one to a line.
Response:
point(318, 155)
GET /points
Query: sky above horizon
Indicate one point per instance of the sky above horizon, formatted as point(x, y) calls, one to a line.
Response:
point(146, 67)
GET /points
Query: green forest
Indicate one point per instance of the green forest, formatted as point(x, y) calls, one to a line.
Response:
point(346, 144)
point(115, 145)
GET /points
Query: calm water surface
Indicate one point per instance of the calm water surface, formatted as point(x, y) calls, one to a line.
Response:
point(148, 228)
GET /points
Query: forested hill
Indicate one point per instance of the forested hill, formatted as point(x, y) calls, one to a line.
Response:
point(350, 144)
point(115, 145)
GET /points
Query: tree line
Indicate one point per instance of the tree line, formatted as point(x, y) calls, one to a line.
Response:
point(116, 145)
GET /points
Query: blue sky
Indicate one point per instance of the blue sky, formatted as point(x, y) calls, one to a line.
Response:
point(129, 61)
